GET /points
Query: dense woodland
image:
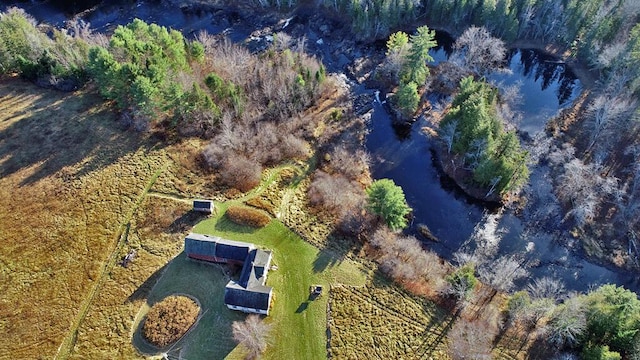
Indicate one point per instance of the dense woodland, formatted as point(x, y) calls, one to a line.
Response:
point(250, 106)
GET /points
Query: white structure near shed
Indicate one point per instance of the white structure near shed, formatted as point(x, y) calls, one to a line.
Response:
point(205, 206)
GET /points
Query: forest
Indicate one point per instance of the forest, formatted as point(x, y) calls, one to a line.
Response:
point(253, 113)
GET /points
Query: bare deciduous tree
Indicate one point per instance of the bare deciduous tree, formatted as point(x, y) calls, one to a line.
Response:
point(350, 163)
point(568, 323)
point(478, 51)
point(449, 133)
point(404, 259)
point(502, 272)
point(334, 192)
point(253, 334)
point(606, 117)
point(584, 187)
point(470, 340)
point(546, 287)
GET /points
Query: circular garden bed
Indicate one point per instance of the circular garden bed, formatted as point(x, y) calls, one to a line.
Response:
point(169, 319)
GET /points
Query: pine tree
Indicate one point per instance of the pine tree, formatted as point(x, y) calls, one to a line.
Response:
point(387, 200)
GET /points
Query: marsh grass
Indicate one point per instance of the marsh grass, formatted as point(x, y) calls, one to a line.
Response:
point(68, 177)
point(69, 180)
point(384, 322)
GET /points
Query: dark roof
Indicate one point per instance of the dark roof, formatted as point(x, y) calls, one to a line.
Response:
point(202, 204)
point(254, 270)
point(214, 246)
point(250, 290)
point(255, 298)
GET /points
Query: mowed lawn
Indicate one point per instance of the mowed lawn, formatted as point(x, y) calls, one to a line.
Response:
point(298, 324)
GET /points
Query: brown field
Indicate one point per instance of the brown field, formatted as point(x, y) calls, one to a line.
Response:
point(379, 321)
point(72, 188)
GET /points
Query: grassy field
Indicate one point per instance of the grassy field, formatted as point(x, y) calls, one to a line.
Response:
point(69, 178)
point(299, 325)
point(379, 321)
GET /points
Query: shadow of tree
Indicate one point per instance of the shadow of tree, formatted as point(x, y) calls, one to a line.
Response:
point(187, 221)
point(142, 292)
point(226, 225)
point(56, 130)
point(337, 248)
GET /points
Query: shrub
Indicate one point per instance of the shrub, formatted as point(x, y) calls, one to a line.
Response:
point(462, 282)
point(169, 320)
point(333, 192)
point(247, 216)
point(351, 163)
point(241, 173)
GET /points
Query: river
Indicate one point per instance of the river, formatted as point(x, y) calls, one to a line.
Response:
point(404, 154)
point(463, 224)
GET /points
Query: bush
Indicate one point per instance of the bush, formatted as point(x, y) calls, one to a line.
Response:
point(169, 320)
point(247, 216)
point(352, 163)
point(600, 353)
point(333, 192)
point(241, 173)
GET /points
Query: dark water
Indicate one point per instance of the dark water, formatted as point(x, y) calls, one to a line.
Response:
point(403, 154)
point(545, 85)
point(108, 15)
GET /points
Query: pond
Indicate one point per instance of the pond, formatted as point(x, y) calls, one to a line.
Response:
point(461, 223)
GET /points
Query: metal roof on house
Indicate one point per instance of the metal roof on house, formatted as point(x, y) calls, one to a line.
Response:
point(250, 290)
point(215, 246)
point(256, 298)
point(255, 268)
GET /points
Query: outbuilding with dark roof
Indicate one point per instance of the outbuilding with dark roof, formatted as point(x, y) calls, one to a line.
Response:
point(205, 206)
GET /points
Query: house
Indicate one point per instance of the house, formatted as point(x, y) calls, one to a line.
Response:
point(248, 294)
point(215, 249)
point(205, 206)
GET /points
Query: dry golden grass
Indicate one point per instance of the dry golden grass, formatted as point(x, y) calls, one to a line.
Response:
point(169, 320)
point(156, 233)
point(69, 180)
point(379, 321)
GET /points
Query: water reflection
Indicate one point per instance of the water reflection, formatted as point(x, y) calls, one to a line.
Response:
point(546, 71)
point(403, 154)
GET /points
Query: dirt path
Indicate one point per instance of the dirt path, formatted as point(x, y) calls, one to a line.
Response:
point(67, 345)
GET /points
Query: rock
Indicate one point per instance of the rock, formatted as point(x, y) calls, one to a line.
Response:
point(320, 42)
point(343, 61)
point(426, 232)
point(324, 29)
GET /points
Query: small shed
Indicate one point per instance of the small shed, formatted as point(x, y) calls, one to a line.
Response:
point(205, 206)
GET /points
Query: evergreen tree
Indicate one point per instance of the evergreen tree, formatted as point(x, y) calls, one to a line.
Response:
point(416, 65)
point(387, 200)
point(613, 318)
point(495, 156)
point(408, 99)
